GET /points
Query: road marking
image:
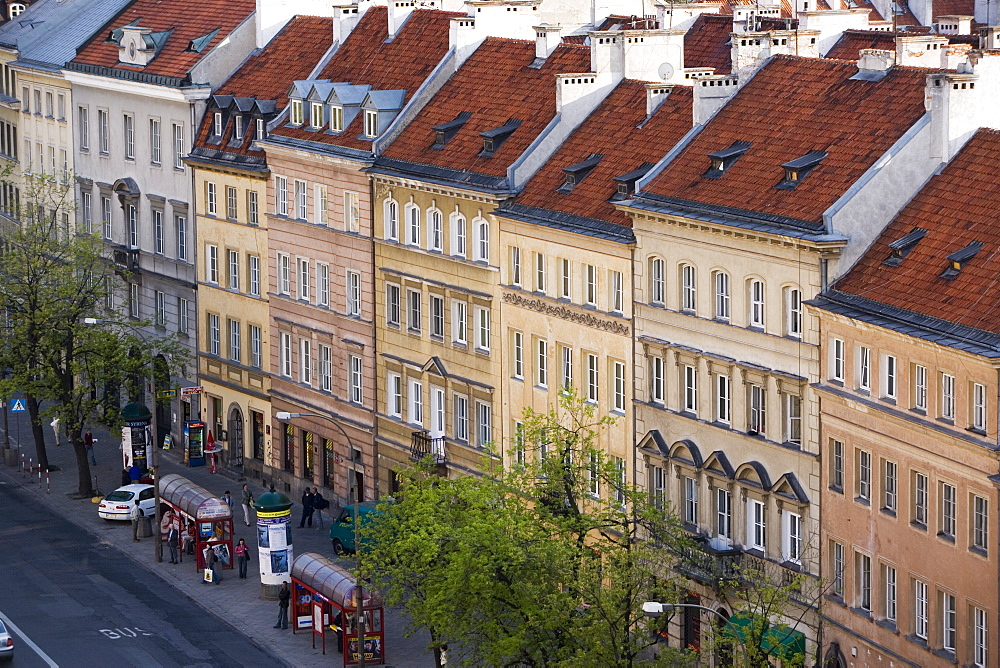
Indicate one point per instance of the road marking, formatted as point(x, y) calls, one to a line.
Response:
point(38, 650)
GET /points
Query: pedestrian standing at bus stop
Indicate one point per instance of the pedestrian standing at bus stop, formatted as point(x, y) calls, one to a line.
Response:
point(135, 515)
point(283, 597)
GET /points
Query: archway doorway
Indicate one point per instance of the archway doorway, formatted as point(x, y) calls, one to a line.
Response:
point(235, 442)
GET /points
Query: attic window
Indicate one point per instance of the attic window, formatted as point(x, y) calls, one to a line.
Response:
point(901, 247)
point(574, 174)
point(217, 124)
point(261, 129)
point(798, 169)
point(444, 132)
point(371, 123)
point(626, 182)
point(958, 259)
point(198, 45)
point(296, 113)
point(316, 115)
point(336, 118)
point(726, 158)
point(494, 139)
point(238, 127)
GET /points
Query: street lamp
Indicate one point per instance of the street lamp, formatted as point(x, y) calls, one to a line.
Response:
point(655, 609)
point(359, 609)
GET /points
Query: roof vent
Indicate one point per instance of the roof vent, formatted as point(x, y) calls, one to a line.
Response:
point(199, 44)
point(626, 182)
point(902, 246)
point(494, 139)
point(724, 159)
point(796, 170)
point(574, 174)
point(958, 259)
point(444, 132)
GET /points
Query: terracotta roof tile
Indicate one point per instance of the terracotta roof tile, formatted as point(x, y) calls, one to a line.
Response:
point(366, 57)
point(187, 20)
point(618, 130)
point(954, 8)
point(495, 84)
point(956, 207)
point(852, 41)
point(706, 43)
point(792, 106)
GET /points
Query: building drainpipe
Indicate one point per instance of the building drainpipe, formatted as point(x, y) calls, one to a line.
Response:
point(376, 465)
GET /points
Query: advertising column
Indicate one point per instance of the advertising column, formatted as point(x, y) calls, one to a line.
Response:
point(135, 441)
point(274, 542)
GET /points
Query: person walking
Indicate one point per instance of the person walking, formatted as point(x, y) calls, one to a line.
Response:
point(319, 503)
point(307, 508)
point(228, 498)
point(283, 597)
point(247, 501)
point(242, 557)
point(135, 515)
point(173, 538)
point(55, 429)
point(88, 443)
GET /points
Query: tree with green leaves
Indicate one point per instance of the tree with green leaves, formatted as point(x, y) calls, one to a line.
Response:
point(63, 341)
point(542, 562)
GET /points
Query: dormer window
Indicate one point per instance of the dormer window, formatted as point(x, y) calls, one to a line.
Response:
point(336, 118)
point(296, 113)
point(238, 127)
point(494, 139)
point(217, 124)
point(901, 247)
point(316, 115)
point(371, 123)
point(796, 170)
point(444, 132)
point(626, 182)
point(261, 129)
point(726, 158)
point(574, 174)
point(958, 259)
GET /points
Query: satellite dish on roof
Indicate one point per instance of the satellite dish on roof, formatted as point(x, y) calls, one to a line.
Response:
point(666, 70)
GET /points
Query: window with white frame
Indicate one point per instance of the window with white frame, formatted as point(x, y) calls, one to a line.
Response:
point(594, 473)
point(106, 216)
point(723, 399)
point(305, 361)
point(415, 403)
point(132, 222)
point(947, 409)
point(863, 585)
point(355, 384)
point(461, 418)
point(723, 514)
point(690, 389)
point(322, 205)
point(690, 501)
point(84, 116)
point(889, 593)
point(394, 395)
point(435, 230)
point(253, 275)
point(791, 543)
point(757, 419)
point(888, 377)
point(129, 127)
point(154, 141)
point(436, 305)
point(323, 284)
point(793, 313)
point(212, 263)
point(260, 129)
point(86, 212)
point(235, 342)
point(722, 296)
point(542, 363)
point(103, 131)
point(281, 195)
point(980, 522)
point(949, 505)
point(157, 231)
point(978, 407)
point(316, 115)
point(133, 300)
point(659, 477)
point(515, 266)
point(837, 360)
point(590, 281)
point(838, 567)
point(458, 235)
point(160, 300)
point(484, 424)
point(459, 322)
point(517, 348)
point(755, 290)
point(217, 124)
point(413, 311)
point(689, 288)
point(657, 281)
point(211, 198)
point(756, 525)
point(392, 305)
point(178, 146)
point(285, 354)
point(353, 293)
point(618, 389)
point(592, 378)
point(234, 269)
point(864, 478)
point(890, 485)
point(948, 621)
point(238, 127)
point(616, 300)
point(256, 347)
point(371, 123)
point(980, 634)
point(304, 278)
point(656, 380)
point(920, 495)
point(390, 210)
point(301, 200)
point(565, 279)
point(619, 482)
point(793, 419)
point(481, 231)
point(920, 611)
point(482, 329)
point(336, 118)
point(864, 368)
point(567, 368)
point(540, 272)
point(295, 114)
point(213, 334)
point(412, 215)
point(920, 387)
point(284, 274)
point(325, 354)
point(352, 211)
point(180, 222)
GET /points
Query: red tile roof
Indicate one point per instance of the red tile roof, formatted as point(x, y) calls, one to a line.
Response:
point(706, 43)
point(616, 129)
point(852, 41)
point(957, 207)
point(793, 106)
point(954, 8)
point(495, 84)
point(188, 20)
point(367, 58)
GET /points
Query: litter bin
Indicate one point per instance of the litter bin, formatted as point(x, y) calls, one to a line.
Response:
point(146, 526)
point(10, 457)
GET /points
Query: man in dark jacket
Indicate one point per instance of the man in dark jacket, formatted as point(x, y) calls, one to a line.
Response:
point(307, 508)
point(283, 597)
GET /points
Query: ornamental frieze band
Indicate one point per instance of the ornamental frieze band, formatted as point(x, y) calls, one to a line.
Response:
point(566, 313)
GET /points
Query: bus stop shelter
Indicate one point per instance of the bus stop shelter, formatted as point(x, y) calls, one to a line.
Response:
point(325, 596)
point(207, 519)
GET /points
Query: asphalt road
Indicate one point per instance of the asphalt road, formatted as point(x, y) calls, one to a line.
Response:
point(82, 603)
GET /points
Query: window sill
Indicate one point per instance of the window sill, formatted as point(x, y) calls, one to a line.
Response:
point(888, 400)
point(977, 431)
point(947, 421)
point(434, 337)
point(519, 379)
point(978, 550)
point(863, 391)
point(835, 489)
point(861, 611)
point(947, 654)
point(948, 538)
point(839, 382)
point(917, 640)
point(889, 512)
point(543, 388)
point(919, 411)
point(863, 501)
point(920, 526)
point(888, 624)
point(460, 344)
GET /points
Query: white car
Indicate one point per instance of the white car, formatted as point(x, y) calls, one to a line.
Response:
point(6, 643)
point(118, 504)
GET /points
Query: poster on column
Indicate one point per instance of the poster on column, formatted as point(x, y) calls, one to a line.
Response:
point(274, 547)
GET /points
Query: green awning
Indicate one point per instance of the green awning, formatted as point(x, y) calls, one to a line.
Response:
point(779, 640)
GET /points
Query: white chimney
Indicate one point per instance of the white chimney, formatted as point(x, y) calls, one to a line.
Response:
point(606, 53)
point(399, 11)
point(546, 40)
point(656, 94)
point(875, 61)
point(921, 51)
point(711, 94)
point(345, 18)
point(463, 37)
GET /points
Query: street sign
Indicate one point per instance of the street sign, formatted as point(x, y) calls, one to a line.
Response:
point(18, 406)
point(190, 390)
point(166, 394)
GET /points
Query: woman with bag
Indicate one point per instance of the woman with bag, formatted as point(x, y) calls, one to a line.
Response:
point(213, 563)
point(242, 557)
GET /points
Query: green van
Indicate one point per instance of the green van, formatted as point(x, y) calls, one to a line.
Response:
point(342, 529)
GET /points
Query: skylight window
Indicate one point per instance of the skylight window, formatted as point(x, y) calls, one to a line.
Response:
point(494, 139)
point(574, 174)
point(958, 259)
point(901, 247)
point(798, 169)
point(444, 132)
point(726, 158)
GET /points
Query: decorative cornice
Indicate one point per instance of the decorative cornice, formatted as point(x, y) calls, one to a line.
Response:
point(566, 313)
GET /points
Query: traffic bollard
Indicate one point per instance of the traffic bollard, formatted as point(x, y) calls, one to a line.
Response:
point(31, 465)
point(48, 484)
point(20, 468)
point(39, 474)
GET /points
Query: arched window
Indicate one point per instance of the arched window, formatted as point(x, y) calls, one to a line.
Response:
point(412, 224)
point(755, 296)
point(481, 229)
point(435, 230)
point(391, 219)
point(689, 288)
point(16, 9)
point(657, 281)
point(722, 295)
point(458, 234)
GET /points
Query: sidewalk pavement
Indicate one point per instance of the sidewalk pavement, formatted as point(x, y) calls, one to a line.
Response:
point(236, 602)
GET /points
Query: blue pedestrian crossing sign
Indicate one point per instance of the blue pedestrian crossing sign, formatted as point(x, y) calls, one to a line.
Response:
point(18, 406)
